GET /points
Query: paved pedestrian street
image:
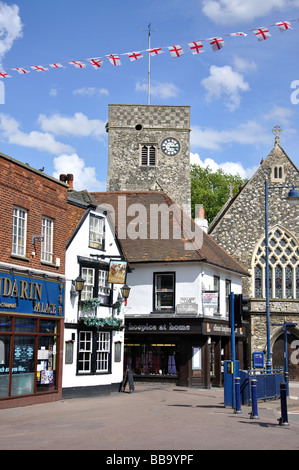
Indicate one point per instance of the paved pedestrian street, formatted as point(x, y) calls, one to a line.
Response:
point(174, 421)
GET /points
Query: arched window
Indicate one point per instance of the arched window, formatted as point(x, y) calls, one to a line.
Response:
point(283, 266)
point(148, 155)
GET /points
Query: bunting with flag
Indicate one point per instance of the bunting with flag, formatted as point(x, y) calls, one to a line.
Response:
point(194, 47)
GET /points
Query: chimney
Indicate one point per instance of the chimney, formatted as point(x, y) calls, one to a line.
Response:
point(70, 179)
point(63, 178)
point(200, 219)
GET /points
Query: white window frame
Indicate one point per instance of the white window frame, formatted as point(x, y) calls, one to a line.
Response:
point(103, 351)
point(96, 231)
point(47, 240)
point(88, 290)
point(104, 287)
point(19, 231)
point(85, 351)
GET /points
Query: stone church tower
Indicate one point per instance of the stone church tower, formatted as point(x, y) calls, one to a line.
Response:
point(239, 228)
point(149, 149)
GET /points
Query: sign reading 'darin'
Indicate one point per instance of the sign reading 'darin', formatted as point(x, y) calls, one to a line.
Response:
point(22, 294)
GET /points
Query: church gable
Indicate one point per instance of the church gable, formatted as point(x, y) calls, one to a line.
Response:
point(239, 227)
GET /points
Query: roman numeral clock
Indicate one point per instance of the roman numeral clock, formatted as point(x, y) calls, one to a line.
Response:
point(149, 149)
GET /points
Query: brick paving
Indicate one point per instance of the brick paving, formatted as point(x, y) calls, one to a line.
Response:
point(155, 417)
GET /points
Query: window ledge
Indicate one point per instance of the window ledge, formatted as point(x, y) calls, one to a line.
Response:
point(23, 258)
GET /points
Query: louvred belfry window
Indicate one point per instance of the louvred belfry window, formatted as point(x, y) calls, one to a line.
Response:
point(148, 155)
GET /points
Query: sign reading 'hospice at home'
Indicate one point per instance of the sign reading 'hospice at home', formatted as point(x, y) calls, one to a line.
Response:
point(25, 294)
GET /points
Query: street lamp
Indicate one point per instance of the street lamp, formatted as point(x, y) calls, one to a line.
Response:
point(125, 292)
point(293, 199)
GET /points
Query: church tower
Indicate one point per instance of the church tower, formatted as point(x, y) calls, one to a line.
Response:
point(149, 149)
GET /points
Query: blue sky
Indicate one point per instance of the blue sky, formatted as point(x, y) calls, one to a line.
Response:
point(56, 119)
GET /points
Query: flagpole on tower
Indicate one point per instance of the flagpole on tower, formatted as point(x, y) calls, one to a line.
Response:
point(149, 64)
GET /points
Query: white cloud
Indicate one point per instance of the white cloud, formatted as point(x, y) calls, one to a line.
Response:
point(224, 81)
point(279, 114)
point(78, 125)
point(91, 91)
point(231, 11)
point(159, 90)
point(232, 168)
point(244, 65)
point(10, 27)
point(84, 176)
point(249, 133)
point(41, 141)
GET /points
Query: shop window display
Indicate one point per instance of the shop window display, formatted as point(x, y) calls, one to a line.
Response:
point(152, 359)
point(28, 356)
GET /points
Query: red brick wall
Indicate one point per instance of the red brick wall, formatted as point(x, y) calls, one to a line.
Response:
point(40, 195)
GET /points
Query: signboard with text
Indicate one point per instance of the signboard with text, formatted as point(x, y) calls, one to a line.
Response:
point(31, 295)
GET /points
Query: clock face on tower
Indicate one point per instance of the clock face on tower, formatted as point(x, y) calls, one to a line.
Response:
point(170, 146)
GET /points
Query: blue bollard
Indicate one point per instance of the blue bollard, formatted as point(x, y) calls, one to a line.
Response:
point(254, 412)
point(238, 395)
point(283, 420)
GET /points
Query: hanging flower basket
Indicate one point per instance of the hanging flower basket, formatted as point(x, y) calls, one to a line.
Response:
point(90, 303)
point(103, 322)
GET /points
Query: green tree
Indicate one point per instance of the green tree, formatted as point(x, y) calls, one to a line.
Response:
point(212, 189)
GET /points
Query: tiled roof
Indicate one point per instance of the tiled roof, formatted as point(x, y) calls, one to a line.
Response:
point(150, 246)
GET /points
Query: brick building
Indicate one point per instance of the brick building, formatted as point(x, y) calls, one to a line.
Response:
point(240, 229)
point(33, 209)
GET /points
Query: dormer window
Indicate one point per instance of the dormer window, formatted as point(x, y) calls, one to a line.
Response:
point(96, 232)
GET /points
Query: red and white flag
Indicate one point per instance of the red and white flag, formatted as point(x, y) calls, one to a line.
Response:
point(155, 51)
point(284, 25)
point(39, 68)
point(114, 59)
point(56, 66)
point(176, 51)
point(96, 63)
point(216, 43)
point(134, 56)
point(262, 33)
point(77, 64)
point(3, 74)
point(21, 71)
point(196, 47)
point(238, 34)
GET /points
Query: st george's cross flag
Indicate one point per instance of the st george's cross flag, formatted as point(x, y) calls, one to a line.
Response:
point(155, 51)
point(196, 47)
point(114, 59)
point(176, 51)
point(262, 33)
point(77, 64)
point(96, 62)
point(284, 25)
point(39, 68)
point(216, 43)
point(134, 56)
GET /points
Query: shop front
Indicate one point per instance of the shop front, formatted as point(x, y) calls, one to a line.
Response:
point(186, 351)
point(31, 333)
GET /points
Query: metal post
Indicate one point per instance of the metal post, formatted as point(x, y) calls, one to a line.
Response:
point(286, 360)
point(254, 412)
point(233, 347)
point(149, 65)
point(283, 420)
point(238, 395)
point(268, 362)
